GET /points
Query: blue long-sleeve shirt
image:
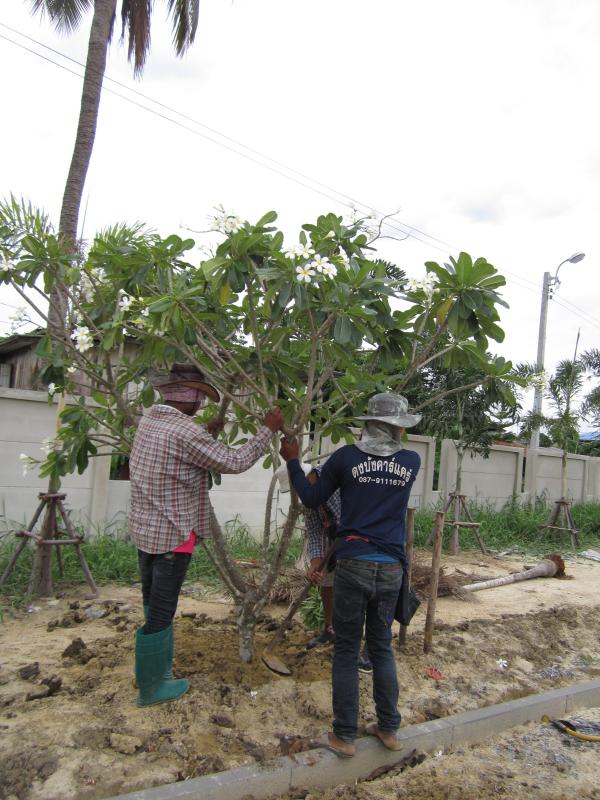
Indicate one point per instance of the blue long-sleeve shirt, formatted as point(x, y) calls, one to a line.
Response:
point(374, 493)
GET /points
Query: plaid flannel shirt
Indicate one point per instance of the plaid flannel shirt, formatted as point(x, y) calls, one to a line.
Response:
point(314, 524)
point(169, 465)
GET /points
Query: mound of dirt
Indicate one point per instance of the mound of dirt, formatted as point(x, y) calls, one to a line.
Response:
point(71, 729)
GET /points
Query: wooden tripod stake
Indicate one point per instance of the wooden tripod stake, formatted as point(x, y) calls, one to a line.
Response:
point(457, 502)
point(51, 502)
point(561, 513)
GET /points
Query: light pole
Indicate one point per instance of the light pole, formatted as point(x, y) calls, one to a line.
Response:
point(549, 283)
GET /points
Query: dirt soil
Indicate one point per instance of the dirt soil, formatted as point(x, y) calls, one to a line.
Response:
point(70, 728)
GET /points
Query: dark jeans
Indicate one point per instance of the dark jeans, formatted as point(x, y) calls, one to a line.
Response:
point(162, 575)
point(364, 591)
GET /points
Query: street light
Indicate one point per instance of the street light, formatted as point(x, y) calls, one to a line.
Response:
point(549, 283)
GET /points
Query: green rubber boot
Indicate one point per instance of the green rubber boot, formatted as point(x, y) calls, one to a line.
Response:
point(153, 657)
point(170, 660)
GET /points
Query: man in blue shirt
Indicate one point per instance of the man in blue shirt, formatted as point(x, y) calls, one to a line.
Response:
point(374, 477)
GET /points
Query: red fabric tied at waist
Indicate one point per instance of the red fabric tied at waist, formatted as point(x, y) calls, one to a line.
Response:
point(188, 545)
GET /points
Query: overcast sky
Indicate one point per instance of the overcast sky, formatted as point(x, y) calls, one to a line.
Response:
point(476, 121)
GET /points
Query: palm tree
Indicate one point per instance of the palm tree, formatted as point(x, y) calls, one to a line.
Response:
point(66, 16)
point(562, 424)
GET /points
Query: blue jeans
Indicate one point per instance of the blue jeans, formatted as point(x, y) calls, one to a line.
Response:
point(364, 591)
point(162, 575)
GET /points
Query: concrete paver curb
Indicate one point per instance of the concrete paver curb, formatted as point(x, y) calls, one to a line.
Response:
point(322, 769)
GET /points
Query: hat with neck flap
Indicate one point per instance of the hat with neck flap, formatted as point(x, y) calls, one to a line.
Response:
point(387, 416)
point(184, 375)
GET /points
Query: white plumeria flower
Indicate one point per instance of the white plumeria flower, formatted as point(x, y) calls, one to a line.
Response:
point(26, 462)
point(72, 369)
point(502, 663)
point(319, 263)
point(51, 389)
point(305, 251)
point(329, 270)
point(145, 311)
point(232, 224)
point(48, 445)
point(292, 252)
point(86, 287)
point(225, 221)
point(124, 302)
point(82, 338)
point(305, 273)
point(343, 255)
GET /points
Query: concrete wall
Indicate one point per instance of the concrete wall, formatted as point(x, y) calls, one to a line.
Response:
point(544, 470)
point(101, 504)
point(496, 479)
point(26, 420)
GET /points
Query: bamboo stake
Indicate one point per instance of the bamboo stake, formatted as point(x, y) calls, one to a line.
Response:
point(410, 540)
point(435, 574)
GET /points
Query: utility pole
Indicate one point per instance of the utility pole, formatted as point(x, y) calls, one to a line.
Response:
point(539, 364)
point(548, 284)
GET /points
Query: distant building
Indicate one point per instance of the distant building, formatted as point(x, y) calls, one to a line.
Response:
point(20, 366)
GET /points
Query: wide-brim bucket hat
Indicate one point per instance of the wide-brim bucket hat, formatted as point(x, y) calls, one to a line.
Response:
point(391, 408)
point(185, 375)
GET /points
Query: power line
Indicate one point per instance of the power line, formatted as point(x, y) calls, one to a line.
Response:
point(391, 220)
point(587, 318)
point(330, 192)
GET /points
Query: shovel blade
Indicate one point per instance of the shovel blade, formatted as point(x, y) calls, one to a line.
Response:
point(275, 664)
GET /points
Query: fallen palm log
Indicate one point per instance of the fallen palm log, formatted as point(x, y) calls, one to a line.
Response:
point(550, 567)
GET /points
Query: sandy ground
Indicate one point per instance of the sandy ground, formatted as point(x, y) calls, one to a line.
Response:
point(70, 728)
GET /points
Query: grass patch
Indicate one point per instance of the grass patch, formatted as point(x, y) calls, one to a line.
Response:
point(517, 526)
point(113, 559)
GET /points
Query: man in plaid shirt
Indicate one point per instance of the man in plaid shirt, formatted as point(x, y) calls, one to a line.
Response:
point(170, 510)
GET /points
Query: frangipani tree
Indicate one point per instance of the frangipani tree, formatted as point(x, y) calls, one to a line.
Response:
point(315, 326)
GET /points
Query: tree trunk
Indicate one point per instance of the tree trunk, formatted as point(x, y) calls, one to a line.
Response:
point(460, 454)
point(246, 620)
point(454, 536)
point(104, 11)
point(564, 488)
point(40, 580)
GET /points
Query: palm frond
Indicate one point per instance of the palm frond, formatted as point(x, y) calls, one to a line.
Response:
point(391, 270)
point(184, 14)
point(64, 14)
point(135, 20)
